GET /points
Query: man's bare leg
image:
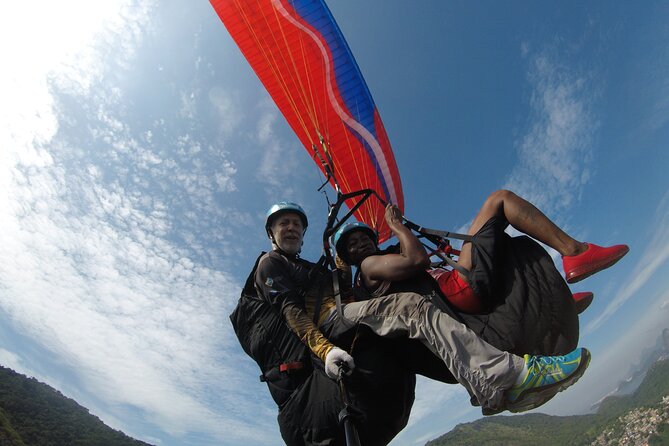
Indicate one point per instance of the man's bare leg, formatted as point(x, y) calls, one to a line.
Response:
point(580, 260)
point(525, 217)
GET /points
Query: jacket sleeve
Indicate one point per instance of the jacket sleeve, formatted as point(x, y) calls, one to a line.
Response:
point(305, 329)
point(274, 281)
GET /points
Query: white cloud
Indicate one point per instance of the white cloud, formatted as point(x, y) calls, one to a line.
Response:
point(94, 277)
point(137, 319)
point(654, 257)
point(653, 89)
point(613, 360)
point(659, 114)
point(555, 151)
point(188, 105)
point(437, 409)
point(271, 163)
point(227, 106)
point(10, 359)
point(431, 394)
point(278, 163)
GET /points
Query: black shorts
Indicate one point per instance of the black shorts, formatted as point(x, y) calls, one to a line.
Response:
point(487, 245)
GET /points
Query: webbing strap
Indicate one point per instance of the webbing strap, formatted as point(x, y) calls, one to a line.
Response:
point(319, 302)
point(438, 233)
point(288, 366)
point(337, 294)
point(319, 298)
point(274, 373)
point(442, 234)
point(455, 265)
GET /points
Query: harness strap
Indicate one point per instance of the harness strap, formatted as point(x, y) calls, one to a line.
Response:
point(337, 293)
point(443, 234)
point(287, 367)
point(319, 301)
point(313, 275)
point(437, 233)
point(453, 264)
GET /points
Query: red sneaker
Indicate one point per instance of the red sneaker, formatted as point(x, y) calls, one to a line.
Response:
point(592, 260)
point(583, 300)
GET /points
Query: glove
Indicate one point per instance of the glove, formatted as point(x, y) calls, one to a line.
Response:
point(336, 359)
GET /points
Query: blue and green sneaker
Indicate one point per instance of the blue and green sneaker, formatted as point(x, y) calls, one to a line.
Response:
point(546, 376)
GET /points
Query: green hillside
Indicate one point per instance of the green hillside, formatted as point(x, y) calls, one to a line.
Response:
point(575, 430)
point(34, 414)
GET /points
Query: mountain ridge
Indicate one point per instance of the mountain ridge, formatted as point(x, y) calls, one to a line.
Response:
point(34, 413)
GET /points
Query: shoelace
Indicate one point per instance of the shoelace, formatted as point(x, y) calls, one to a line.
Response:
point(543, 365)
point(545, 360)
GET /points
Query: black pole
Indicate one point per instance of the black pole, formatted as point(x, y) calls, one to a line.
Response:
point(348, 414)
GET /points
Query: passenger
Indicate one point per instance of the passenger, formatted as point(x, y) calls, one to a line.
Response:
point(476, 286)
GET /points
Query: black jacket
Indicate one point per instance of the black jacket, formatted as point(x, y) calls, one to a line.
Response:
point(309, 402)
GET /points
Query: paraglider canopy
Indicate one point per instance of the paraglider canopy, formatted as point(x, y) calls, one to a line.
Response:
point(298, 52)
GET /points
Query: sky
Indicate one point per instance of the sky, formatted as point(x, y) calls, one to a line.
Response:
point(139, 154)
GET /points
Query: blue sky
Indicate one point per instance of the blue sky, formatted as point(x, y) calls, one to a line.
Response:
point(139, 153)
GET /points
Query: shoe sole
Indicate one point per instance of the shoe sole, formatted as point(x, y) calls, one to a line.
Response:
point(532, 399)
point(578, 274)
point(583, 304)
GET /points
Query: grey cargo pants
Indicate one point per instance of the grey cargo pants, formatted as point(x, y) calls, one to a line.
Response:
point(482, 369)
